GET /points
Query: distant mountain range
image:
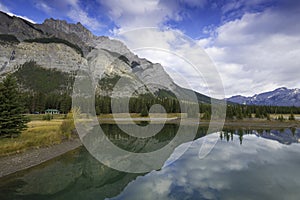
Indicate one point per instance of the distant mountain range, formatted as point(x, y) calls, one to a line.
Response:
point(279, 97)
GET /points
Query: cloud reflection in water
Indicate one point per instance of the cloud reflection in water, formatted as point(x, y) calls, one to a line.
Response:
point(257, 169)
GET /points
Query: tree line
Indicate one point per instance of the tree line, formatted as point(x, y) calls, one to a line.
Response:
point(15, 102)
point(39, 102)
point(247, 111)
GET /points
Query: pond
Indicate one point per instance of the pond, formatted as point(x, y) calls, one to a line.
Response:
point(244, 164)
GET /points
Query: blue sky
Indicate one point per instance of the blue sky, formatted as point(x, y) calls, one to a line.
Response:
point(253, 43)
point(192, 17)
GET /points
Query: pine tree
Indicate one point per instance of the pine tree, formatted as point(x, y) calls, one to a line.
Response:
point(239, 114)
point(206, 116)
point(257, 113)
point(12, 120)
point(144, 111)
point(268, 117)
point(229, 113)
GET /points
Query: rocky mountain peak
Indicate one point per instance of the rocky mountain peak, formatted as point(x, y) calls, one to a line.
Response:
point(71, 48)
point(63, 26)
point(18, 27)
point(281, 89)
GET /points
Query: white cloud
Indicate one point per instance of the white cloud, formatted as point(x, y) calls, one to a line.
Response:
point(78, 15)
point(44, 7)
point(184, 60)
point(134, 13)
point(173, 49)
point(23, 17)
point(130, 14)
point(257, 52)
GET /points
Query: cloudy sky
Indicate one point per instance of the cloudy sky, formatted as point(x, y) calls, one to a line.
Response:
point(255, 45)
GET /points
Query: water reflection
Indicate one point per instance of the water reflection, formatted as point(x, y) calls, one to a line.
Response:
point(263, 167)
point(258, 169)
point(284, 136)
point(75, 175)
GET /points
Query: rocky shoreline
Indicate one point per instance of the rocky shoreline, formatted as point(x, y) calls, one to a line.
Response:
point(33, 157)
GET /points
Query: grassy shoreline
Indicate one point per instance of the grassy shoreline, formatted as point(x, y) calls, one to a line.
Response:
point(38, 134)
point(41, 133)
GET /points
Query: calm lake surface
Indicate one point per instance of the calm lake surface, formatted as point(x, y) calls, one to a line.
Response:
point(244, 164)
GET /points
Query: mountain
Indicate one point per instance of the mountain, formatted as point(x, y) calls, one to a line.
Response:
point(286, 136)
point(279, 97)
point(63, 48)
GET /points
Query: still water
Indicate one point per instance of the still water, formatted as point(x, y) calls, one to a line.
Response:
point(244, 164)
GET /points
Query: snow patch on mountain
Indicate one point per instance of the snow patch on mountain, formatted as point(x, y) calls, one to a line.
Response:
point(278, 97)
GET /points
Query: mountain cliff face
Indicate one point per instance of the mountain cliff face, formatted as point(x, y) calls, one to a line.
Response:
point(52, 56)
point(279, 97)
point(21, 28)
point(54, 44)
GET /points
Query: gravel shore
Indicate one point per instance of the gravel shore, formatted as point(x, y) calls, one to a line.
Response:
point(33, 157)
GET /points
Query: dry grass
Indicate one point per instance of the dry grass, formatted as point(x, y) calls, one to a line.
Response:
point(39, 134)
point(285, 116)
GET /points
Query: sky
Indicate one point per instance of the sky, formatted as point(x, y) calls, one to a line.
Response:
point(254, 45)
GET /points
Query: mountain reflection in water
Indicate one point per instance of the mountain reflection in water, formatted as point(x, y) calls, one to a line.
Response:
point(244, 164)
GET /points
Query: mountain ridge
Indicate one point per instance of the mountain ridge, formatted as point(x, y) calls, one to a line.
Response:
point(103, 56)
point(281, 96)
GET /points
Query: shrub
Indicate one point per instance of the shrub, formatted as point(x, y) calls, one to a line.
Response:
point(144, 112)
point(67, 125)
point(206, 116)
point(292, 117)
point(47, 117)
